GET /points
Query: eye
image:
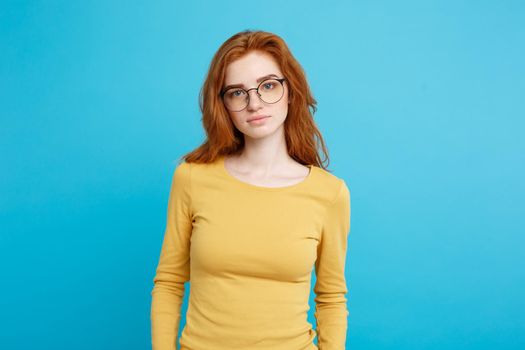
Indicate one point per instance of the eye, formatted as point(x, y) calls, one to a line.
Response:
point(268, 86)
point(236, 93)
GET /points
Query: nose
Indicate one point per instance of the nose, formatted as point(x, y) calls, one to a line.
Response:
point(254, 101)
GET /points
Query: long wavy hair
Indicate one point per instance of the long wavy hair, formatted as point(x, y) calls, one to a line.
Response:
point(303, 138)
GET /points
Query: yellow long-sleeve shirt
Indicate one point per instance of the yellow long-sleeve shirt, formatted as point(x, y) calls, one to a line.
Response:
point(248, 252)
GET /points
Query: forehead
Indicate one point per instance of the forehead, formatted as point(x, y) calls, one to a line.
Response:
point(249, 67)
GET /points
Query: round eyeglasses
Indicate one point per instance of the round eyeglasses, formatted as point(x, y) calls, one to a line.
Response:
point(269, 91)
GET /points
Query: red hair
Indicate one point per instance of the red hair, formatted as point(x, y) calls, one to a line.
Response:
point(301, 133)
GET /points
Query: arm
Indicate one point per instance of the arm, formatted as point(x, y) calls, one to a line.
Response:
point(173, 268)
point(330, 287)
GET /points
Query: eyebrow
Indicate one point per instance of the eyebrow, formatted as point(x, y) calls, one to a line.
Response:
point(258, 80)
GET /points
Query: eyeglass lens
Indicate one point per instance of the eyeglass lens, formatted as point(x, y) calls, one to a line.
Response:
point(269, 91)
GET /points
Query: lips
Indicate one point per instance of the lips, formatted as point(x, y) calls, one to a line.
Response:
point(257, 117)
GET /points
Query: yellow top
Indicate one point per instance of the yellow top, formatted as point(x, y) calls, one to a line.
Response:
point(250, 251)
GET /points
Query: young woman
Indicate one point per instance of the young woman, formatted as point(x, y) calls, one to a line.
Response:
point(251, 212)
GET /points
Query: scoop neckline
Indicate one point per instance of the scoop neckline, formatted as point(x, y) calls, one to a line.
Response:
point(234, 179)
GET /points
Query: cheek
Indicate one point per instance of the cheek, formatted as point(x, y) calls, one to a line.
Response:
point(236, 118)
point(283, 106)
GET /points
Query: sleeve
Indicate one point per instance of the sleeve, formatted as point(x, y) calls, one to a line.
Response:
point(330, 287)
point(173, 268)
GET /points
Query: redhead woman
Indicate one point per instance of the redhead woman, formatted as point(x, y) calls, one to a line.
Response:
point(252, 212)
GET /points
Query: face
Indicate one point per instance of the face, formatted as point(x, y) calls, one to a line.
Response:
point(246, 71)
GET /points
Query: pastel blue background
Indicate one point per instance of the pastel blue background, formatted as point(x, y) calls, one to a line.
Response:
point(422, 107)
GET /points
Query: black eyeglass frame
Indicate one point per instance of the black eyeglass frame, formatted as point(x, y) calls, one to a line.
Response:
point(280, 80)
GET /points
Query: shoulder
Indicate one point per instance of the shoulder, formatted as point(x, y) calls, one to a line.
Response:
point(182, 175)
point(195, 173)
point(334, 187)
point(183, 168)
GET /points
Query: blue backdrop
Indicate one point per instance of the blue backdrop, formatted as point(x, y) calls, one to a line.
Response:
point(421, 104)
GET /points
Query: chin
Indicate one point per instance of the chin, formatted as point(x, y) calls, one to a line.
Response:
point(259, 133)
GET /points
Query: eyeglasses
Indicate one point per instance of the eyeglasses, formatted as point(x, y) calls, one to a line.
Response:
point(270, 91)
